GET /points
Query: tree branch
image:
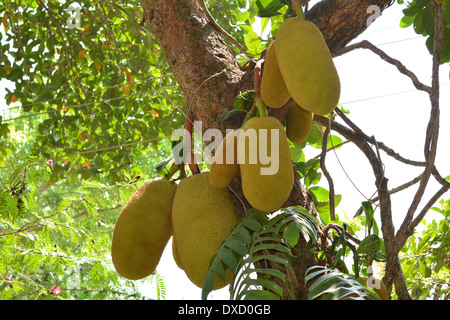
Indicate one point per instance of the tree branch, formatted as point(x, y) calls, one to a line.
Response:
point(432, 132)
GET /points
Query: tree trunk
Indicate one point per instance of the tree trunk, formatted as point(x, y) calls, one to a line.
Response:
point(210, 77)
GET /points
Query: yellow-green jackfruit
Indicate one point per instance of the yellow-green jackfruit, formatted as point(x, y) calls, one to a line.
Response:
point(203, 217)
point(267, 172)
point(224, 167)
point(298, 123)
point(175, 255)
point(142, 230)
point(273, 90)
point(307, 67)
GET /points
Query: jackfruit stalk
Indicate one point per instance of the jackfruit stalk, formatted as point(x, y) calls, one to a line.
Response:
point(298, 123)
point(273, 90)
point(265, 163)
point(306, 65)
point(142, 230)
point(202, 217)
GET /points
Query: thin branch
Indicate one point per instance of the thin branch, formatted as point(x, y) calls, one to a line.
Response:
point(394, 190)
point(325, 171)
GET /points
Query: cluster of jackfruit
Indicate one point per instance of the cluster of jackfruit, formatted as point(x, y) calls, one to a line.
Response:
point(196, 215)
point(297, 65)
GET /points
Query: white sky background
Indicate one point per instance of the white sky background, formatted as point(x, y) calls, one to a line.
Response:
point(383, 103)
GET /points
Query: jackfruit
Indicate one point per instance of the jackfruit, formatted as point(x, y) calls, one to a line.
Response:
point(224, 167)
point(203, 217)
point(267, 172)
point(175, 255)
point(298, 123)
point(378, 286)
point(142, 230)
point(273, 90)
point(307, 67)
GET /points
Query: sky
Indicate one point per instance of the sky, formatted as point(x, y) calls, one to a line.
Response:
point(382, 102)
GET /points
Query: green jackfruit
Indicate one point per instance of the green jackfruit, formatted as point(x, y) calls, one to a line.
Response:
point(267, 172)
point(142, 230)
point(273, 90)
point(224, 170)
point(298, 123)
point(307, 67)
point(203, 217)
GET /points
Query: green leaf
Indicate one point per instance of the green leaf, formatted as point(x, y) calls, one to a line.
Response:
point(406, 21)
point(261, 295)
point(291, 234)
point(208, 285)
point(418, 23)
point(428, 19)
point(270, 10)
point(226, 257)
point(411, 11)
point(320, 193)
point(445, 8)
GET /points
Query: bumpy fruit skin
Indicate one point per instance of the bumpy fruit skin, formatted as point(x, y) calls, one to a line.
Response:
point(269, 190)
point(307, 67)
point(142, 230)
point(202, 217)
point(224, 170)
point(298, 123)
point(273, 90)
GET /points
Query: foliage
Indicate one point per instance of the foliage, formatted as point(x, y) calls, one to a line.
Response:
point(420, 15)
point(62, 243)
point(425, 258)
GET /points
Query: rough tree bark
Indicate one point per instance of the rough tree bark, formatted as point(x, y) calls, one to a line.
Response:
point(210, 77)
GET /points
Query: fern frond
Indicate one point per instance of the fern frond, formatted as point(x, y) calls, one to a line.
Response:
point(334, 285)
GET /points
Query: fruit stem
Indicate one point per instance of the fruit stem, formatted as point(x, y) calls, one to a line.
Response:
point(262, 110)
point(297, 6)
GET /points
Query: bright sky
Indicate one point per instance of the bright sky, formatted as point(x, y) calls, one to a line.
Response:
point(382, 102)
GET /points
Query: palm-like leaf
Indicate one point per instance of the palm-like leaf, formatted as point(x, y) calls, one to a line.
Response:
point(263, 241)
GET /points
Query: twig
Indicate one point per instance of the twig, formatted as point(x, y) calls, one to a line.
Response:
point(394, 190)
point(325, 171)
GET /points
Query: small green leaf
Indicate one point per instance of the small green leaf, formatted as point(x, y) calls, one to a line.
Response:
point(320, 193)
point(445, 8)
point(369, 244)
point(230, 113)
point(406, 21)
point(428, 19)
point(411, 11)
point(291, 234)
point(208, 285)
point(270, 10)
